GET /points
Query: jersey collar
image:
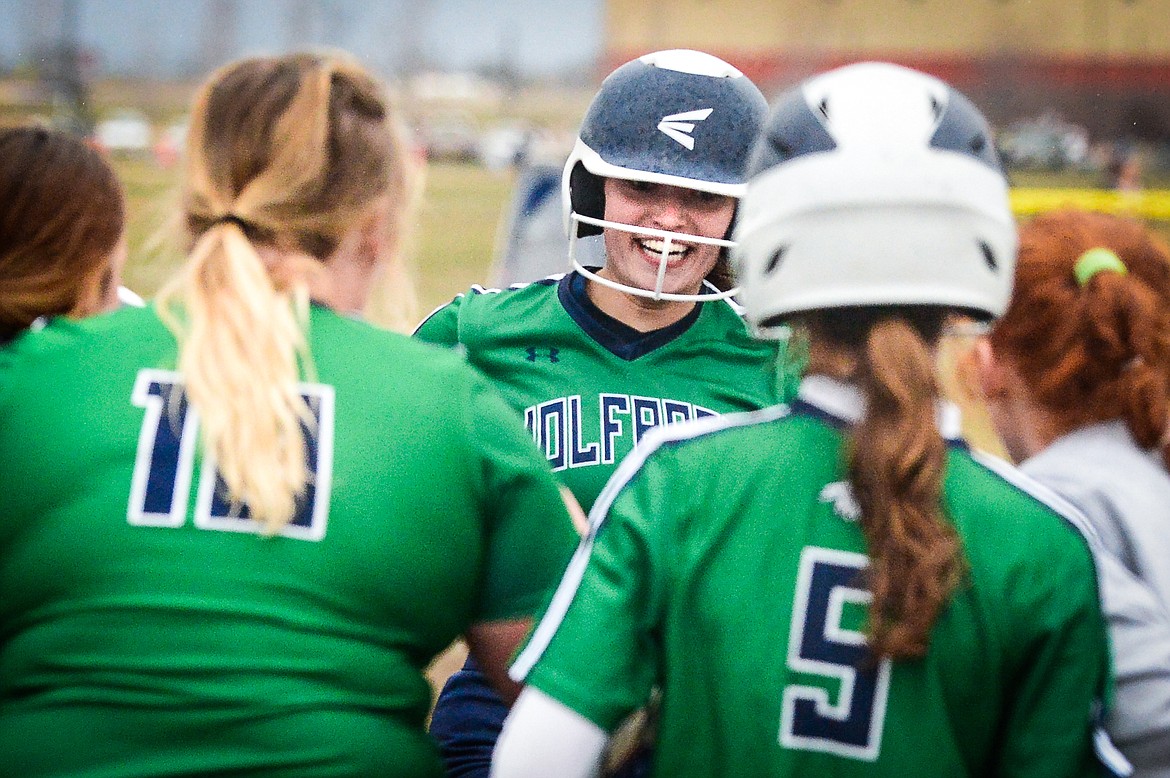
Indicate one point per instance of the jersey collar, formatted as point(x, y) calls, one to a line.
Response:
point(843, 404)
point(616, 337)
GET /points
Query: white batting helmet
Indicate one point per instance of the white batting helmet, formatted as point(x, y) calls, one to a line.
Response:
point(874, 184)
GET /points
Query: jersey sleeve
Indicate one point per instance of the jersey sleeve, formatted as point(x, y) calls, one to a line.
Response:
point(1063, 681)
point(530, 536)
point(442, 326)
point(1139, 631)
point(599, 656)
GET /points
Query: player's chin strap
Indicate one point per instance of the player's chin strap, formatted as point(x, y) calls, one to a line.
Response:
point(668, 238)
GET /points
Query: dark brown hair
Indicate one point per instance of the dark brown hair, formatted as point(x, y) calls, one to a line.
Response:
point(1102, 350)
point(721, 276)
point(896, 460)
point(62, 213)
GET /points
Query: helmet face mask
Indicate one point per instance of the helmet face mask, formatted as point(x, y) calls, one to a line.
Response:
point(875, 185)
point(678, 118)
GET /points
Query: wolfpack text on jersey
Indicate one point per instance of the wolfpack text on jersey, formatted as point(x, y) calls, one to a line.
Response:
point(588, 386)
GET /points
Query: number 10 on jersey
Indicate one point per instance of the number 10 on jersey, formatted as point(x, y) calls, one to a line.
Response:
point(165, 464)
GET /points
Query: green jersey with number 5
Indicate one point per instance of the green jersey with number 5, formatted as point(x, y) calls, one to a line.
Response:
point(725, 564)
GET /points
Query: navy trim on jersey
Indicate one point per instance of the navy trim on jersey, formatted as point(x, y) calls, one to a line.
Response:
point(619, 339)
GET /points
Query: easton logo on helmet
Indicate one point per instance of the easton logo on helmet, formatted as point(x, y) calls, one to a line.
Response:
point(679, 126)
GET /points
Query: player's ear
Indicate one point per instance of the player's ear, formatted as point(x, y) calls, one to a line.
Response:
point(985, 370)
point(376, 244)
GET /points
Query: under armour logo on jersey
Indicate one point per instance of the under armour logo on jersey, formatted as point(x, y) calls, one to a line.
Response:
point(840, 494)
point(679, 126)
point(535, 353)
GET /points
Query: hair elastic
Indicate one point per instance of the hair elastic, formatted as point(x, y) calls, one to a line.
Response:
point(231, 218)
point(1095, 261)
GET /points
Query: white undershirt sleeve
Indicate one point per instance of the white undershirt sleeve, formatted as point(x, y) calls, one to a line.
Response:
point(542, 737)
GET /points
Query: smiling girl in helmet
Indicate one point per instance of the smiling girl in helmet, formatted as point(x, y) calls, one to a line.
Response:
point(595, 358)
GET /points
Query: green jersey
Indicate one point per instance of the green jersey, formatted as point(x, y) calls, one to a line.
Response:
point(146, 628)
point(724, 566)
point(589, 387)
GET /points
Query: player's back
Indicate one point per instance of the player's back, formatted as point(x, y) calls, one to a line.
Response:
point(759, 599)
point(1028, 575)
point(148, 627)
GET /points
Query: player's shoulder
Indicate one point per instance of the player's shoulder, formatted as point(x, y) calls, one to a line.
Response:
point(722, 324)
point(482, 311)
point(991, 498)
point(486, 301)
point(712, 437)
point(98, 344)
point(695, 447)
point(359, 343)
point(62, 336)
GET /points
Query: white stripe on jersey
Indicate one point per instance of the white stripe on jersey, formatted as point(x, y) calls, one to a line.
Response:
point(629, 467)
point(1109, 756)
point(483, 290)
point(518, 285)
point(1039, 491)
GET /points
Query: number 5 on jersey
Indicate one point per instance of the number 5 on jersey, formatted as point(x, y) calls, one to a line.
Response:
point(165, 464)
point(818, 644)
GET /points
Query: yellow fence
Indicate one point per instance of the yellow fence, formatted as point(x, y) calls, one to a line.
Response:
point(1146, 204)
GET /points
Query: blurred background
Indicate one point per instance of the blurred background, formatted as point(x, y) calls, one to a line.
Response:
point(1079, 92)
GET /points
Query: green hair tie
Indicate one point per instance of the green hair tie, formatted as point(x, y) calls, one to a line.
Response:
point(1095, 261)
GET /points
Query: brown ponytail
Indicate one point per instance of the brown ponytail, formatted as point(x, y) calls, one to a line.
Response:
point(896, 464)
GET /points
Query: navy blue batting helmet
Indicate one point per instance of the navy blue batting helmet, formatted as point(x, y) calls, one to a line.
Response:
point(678, 117)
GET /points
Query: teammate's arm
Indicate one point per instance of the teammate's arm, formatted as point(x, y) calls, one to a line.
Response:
point(529, 535)
point(542, 737)
point(576, 512)
point(594, 649)
point(493, 643)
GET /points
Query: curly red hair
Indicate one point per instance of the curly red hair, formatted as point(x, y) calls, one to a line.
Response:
point(1100, 350)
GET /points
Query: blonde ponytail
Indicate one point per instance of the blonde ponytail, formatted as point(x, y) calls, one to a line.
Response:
point(286, 155)
point(242, 352)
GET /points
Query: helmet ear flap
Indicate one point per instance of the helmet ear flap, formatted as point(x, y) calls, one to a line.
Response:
point(587, 192)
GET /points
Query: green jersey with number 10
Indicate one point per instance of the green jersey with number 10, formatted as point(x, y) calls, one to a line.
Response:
point(725, 565)
point(146, 629)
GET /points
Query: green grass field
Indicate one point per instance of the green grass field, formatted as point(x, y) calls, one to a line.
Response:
point(452, 237)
